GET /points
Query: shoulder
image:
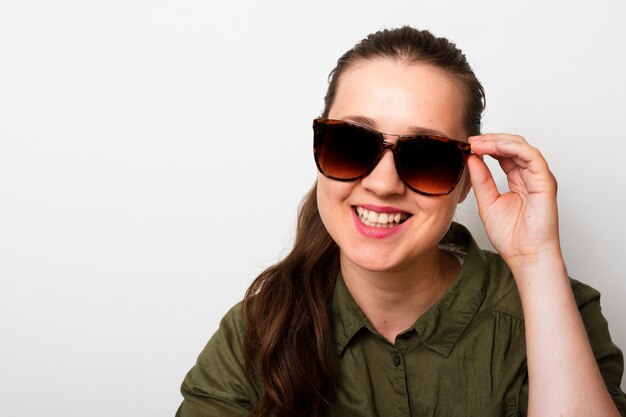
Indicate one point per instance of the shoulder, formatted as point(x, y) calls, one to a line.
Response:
point(228, 339)
point(486, 269)
point(232, 321)
point(219, 384)
point(583, 293)
point(498, 288)
point(502, 293)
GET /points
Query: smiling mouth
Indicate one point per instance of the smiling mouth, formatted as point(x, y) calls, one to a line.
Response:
point(374, 219)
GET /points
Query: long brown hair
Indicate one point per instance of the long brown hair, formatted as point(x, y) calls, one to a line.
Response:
point(287, 309)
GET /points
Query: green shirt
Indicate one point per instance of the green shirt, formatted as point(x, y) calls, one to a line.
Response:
point(465, 357)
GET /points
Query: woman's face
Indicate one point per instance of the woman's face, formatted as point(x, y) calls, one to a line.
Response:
point(392, 97)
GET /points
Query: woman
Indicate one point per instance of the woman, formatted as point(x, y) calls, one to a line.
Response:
point(385, 306)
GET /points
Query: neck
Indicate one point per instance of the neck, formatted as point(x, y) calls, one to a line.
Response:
point(394, 300)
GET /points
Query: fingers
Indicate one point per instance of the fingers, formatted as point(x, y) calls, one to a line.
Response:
point(516, 157)
point(502, 145)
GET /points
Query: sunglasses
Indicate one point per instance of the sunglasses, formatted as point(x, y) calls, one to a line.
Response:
point(428, 165)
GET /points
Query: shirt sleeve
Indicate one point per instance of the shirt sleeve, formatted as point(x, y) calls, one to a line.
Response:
point(218, 384)
point(608, 356)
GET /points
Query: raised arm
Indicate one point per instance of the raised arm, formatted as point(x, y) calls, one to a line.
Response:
point(522, 224)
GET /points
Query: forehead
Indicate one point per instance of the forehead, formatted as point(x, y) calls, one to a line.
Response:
point(395, 95)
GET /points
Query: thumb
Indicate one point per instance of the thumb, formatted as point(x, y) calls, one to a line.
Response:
point(484, 186)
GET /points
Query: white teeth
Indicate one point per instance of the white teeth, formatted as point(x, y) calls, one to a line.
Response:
point(374, 219)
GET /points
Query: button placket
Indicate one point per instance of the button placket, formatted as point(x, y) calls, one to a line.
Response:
point(396, 359)
point(403, 408)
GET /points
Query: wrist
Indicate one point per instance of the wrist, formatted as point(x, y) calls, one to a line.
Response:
point(543, 285)
point(548, 261)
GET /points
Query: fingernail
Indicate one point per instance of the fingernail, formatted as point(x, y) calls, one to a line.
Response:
point(475, 139)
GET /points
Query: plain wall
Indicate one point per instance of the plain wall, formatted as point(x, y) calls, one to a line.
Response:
point(153, 155)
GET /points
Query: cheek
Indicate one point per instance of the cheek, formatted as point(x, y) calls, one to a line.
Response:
point(439, 210)
point(331, 197)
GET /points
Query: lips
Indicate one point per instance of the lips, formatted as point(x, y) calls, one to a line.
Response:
point(383, 218)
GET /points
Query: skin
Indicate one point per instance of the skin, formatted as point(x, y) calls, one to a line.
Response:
point(397, 278)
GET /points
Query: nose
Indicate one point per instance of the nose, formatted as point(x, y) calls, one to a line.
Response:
point(384, 180)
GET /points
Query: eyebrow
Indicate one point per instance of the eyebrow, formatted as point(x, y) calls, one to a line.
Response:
point(413, 130)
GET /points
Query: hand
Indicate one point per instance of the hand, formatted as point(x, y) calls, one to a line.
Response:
point(522, 224)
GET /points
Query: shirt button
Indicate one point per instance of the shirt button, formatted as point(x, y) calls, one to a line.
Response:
point(396, 360)
point(613, 390)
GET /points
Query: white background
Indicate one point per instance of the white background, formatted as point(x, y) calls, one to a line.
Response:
point(153, 154)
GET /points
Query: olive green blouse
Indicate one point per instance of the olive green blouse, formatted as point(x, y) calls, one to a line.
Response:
point(465, 357)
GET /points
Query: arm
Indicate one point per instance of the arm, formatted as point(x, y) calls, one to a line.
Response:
point(522, 224)
point(609, 357)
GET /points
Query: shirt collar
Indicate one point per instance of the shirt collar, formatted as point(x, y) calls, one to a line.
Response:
point(441, 326)
point(347, 318)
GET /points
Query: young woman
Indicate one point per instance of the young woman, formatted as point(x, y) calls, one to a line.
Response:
point(385, 307)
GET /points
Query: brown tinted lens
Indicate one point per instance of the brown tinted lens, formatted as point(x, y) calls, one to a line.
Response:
point(429, 166)
point(344, 151)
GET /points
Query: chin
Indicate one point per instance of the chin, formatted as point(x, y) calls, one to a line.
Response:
point(371, 261)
